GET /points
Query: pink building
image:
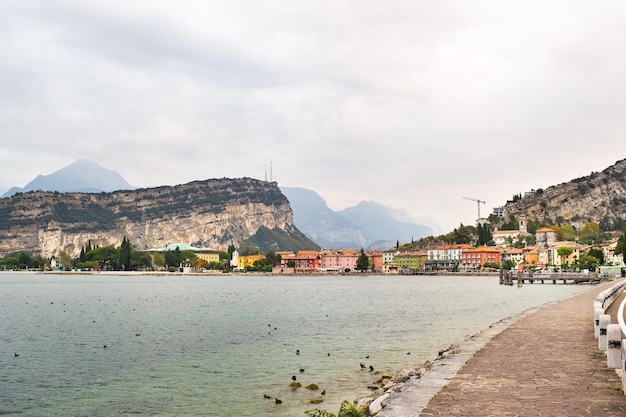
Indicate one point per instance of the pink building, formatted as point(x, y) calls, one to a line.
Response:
point(341, 260)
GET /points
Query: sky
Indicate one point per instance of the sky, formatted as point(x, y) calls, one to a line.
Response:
point(412, 104)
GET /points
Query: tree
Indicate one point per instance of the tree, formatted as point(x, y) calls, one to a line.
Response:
point(66, 260)
point(588, 262)
point(621, 245)
point(106, 256)
point(173, 258)
point(564, 252)
point(272, 259)
point(568, 232)
point(140, 260)
point(124, 262)
point(363, 261)
point(596, 253)
point(589, 232)
point(24, 260)
point(508, 264)
point(158, 259)
point(187, 257)
point(199, 264)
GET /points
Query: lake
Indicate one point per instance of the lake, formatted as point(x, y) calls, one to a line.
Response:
point(109, 345)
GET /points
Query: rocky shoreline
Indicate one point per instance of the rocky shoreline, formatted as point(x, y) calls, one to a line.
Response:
point(408, 391)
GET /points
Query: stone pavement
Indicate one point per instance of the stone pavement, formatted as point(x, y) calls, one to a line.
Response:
point(546, 363)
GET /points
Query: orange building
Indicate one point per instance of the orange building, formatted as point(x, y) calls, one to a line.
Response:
point(376, 260)
point(476, 258)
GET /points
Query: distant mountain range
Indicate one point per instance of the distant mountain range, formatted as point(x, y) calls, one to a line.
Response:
point(368, 225)
point(82, 176)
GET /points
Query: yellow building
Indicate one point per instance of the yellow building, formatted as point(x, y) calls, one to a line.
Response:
point(409, 260)
point(248, 261)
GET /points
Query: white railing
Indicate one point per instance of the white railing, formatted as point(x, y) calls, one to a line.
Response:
point(610, 335)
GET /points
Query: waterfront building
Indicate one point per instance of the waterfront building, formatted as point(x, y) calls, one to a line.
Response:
point(446, 256)
point(476, 258)
point(514, 255)
point(248, 261)
point(376, 260)
point(389, 264)
point(341, 260)
point(389, 256)
point(550, 256)
point(531, 256)
point(409, 261)
point(306, 261)
point(613, 267)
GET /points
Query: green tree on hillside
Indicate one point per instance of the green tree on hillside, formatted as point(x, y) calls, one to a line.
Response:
point(621, 245)
point(484, 234)
point(568, 232)
point(590, 232)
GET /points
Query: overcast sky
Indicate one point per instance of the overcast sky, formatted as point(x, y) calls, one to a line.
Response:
point(412, 104)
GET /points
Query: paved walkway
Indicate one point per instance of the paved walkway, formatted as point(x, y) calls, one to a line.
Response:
point(546, 363)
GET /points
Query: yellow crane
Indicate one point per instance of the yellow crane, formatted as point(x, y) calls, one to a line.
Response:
point(477, 202)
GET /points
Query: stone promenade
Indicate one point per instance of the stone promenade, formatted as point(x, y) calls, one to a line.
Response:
point(546, 363)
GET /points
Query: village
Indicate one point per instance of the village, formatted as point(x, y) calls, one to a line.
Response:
point(546, 255)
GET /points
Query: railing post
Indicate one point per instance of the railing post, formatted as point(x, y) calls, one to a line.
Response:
point(614, 346)
point(605, 320)
point(596, 321)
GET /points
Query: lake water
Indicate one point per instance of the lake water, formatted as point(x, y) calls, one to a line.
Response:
point(216, 345)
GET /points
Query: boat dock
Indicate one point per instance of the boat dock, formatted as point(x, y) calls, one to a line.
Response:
point(520, 278)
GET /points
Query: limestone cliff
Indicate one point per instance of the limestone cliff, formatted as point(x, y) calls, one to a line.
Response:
point(212, 213)
point(599, 197)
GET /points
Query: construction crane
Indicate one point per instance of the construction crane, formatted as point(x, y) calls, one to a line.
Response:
point(477, 202)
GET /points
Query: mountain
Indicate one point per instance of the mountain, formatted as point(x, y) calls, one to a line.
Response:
point(212, 213)
point(81, 176)
point(368, 225)
point(599, 197)
point(382, 226)
point(319, 223)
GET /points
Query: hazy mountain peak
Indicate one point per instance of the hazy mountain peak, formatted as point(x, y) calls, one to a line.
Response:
point(368, 225)
point(80, 176)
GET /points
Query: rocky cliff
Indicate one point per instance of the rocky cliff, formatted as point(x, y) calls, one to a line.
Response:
point(212, 213)
point(599, 197)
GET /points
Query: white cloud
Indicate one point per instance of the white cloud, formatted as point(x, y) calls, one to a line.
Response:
point(411, 104)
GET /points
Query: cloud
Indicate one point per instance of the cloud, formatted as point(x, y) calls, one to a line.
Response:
point(411, 104)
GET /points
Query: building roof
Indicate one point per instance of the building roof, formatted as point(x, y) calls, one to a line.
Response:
point(181, 247)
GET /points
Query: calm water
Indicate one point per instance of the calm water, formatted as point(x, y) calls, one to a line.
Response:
point(214, 346)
